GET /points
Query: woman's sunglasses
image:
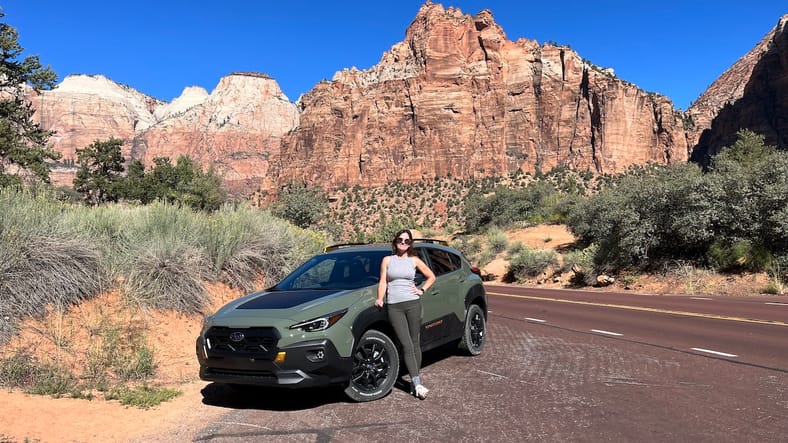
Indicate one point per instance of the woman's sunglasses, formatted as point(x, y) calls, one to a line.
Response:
point(404, 241)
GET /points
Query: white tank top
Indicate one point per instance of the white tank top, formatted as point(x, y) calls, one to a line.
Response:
point(400, 274)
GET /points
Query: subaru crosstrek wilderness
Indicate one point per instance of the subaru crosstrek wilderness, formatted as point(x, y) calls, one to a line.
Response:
point(320, 326)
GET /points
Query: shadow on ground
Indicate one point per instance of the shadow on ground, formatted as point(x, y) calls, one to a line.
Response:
point(272, 399)
point(282, 399)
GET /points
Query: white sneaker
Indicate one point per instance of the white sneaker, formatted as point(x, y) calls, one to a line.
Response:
point(421, 392)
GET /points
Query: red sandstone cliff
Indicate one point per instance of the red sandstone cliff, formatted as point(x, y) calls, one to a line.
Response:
point(235, 129)
point(752, 94)
point(457, 98)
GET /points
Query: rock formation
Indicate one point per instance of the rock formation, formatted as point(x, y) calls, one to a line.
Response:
point(457, 98)
point(454, 98)
point(752, 94)
point(235, 129)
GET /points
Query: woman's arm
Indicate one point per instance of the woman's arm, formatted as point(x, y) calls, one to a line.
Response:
point(427, 272)
point(383, 283)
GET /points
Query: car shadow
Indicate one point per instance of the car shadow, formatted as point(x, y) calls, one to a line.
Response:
point(270, 399)
point(427, 358)
point(282, 399)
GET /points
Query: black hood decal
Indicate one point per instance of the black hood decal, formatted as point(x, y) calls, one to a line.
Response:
point(285, 299)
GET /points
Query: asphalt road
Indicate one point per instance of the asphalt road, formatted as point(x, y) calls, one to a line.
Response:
point(562, 366)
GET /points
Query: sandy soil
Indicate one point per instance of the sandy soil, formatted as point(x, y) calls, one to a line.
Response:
point(26, 417)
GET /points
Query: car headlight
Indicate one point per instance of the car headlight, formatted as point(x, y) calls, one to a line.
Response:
point(320, 323)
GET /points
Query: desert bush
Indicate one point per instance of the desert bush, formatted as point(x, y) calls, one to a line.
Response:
point(117, 351)
point(469, 246)
point(168, 274)
point(485, 257)
point(38, 271)
point(740, 256)
point(581, 261)
point(19, 369)
point(246, 244)
point(56, 381)
point(497, 240)
point(530, 263)
point(648, 216)
point(535, 203)
point(144, 396)
point(515, 248)
point(694, 279)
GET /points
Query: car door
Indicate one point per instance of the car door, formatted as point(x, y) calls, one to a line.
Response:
point(441, 300)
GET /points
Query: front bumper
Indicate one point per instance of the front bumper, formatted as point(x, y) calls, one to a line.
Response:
point(305, 364)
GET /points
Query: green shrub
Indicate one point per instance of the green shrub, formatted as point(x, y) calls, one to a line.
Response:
point(18, 370)
point(581, 261)
point(740, 256)
point(516, 247)
point(530, 263)
point(497, 240)
point(168, 274)
point(143, 396)
point(38, 271)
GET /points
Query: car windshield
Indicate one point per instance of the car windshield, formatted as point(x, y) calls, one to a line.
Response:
point(337, 270)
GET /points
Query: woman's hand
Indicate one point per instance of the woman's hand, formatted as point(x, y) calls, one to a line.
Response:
point(379, 302)
point(417, 291)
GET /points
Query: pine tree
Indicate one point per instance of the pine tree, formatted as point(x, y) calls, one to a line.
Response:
point(99, 174)
point(23, 143)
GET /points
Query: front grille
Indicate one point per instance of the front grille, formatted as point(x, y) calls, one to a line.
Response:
point(257, 342)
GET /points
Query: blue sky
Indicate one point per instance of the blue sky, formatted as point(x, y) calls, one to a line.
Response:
point(160, 47)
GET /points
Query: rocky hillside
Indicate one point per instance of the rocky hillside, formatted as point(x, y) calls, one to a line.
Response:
point(455, 99)
point(752, 94)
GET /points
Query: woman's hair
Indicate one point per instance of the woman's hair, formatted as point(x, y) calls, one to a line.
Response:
point(395, 239)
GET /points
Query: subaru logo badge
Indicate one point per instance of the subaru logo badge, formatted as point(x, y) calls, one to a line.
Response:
point(236, 336)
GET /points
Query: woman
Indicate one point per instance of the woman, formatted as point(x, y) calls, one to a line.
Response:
point(397, 280)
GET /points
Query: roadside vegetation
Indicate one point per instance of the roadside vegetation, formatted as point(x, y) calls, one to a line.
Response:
point(159, 237)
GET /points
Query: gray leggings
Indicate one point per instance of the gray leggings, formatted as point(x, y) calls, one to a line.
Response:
point(405, 318)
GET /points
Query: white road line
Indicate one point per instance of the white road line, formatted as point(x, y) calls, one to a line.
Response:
point(723, 354)
point(536, 320)
point(599, 331)
point(776, 303)
point(701, 298)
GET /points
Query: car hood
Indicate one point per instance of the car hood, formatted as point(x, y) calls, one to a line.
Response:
point(291, 304)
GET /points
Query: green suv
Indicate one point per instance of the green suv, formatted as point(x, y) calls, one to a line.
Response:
point(320, 326)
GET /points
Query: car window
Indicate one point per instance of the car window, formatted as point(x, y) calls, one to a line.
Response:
point(443, 262)
point(346, 270)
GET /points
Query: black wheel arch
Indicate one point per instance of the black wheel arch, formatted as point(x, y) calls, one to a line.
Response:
point(373, 318)
point(477, 296)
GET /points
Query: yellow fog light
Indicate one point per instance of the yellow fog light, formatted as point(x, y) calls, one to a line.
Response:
point(280, 357)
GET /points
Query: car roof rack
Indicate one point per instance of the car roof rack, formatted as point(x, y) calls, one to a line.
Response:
point(342, 245)
point(415, 240)
point(431, 240)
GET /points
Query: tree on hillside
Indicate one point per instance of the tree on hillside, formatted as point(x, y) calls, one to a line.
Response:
point(99, 173)
point(134, 186)
point(301, 206)
point(23, 144)
point(185, 183)
point(751, 180)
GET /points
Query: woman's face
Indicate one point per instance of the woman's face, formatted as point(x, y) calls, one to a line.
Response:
point(403, 242)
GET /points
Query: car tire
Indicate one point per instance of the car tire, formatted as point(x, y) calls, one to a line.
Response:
point(474, 332)
point(375, 367)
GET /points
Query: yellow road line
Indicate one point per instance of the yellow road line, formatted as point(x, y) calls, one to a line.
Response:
point(640, 308)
